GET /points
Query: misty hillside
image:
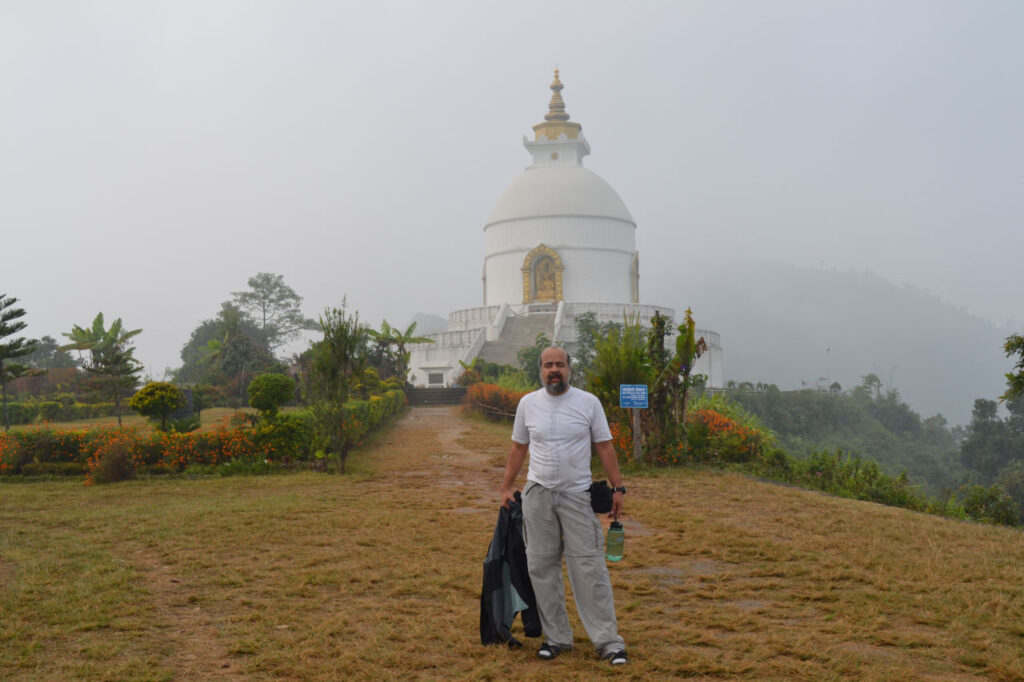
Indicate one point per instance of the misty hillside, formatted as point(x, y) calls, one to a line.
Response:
point(791, 326)
point(427, 323)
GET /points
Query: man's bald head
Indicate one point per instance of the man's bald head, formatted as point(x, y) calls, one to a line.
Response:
point(555, 370)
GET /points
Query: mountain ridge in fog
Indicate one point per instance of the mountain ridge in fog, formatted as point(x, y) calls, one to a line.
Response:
point(792, 326)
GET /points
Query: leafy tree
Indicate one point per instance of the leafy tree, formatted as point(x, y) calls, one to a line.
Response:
point(984, 449)
point(991, 443)
point(268, 392)
point(275, 307)
point(672, 379)
point(158, 400)
point(529, 358)
point(1011, 480)
point(619, 358)
point(333, 360)
point(112, 365)
point(588, 331)
point(48, 355)
point(1015, 380)
point(225, 352)
point(341, 352)
point(10, 324)
point(872, 384)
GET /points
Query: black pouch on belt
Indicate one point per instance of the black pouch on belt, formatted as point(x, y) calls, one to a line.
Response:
point(600, 497)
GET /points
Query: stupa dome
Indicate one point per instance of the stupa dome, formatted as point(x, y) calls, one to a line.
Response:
point(558, 190)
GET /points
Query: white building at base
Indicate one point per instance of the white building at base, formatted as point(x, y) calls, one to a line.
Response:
point(559, 243)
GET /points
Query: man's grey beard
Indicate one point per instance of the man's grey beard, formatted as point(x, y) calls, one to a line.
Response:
point(556, 388)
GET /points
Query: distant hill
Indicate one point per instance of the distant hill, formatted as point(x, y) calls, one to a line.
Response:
point(791, 326)
point(427, 323)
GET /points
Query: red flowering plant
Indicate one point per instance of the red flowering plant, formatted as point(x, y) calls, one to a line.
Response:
point(113, 455)
point(9, 451)
point(493, 401)
point(721, 431)
point(622, 437)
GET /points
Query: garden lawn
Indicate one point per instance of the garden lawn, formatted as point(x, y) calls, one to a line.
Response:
point(377, 575)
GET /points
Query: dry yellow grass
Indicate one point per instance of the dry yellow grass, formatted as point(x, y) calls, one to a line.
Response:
point(376, 575)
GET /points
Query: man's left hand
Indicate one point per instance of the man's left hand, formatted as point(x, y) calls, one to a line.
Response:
point(616, 504)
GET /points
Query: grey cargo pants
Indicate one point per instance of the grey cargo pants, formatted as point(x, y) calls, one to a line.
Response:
point(557, 524)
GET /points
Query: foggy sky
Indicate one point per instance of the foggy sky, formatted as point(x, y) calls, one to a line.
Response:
point(154, 156)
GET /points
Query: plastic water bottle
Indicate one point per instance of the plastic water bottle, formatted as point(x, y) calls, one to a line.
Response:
point(616, 542)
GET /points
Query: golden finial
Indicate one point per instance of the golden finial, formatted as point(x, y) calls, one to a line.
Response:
point(556, 121)
point(556, 109)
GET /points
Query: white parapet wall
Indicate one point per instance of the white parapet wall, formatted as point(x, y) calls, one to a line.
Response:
point(473, 318)
point(439, 363)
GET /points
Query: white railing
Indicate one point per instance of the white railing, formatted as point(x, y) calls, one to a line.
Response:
point(468, 356)
point(563, 314)
point(472, 318)
point(499, 322)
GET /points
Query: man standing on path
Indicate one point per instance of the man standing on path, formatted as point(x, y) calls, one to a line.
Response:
point(556, 425)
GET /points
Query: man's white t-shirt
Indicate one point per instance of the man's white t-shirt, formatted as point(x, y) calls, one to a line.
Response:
point(560, 430)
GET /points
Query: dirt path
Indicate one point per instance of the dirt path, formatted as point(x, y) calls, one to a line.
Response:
point(468, 456)
point(452, 452)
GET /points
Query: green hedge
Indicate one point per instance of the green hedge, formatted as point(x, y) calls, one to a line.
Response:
point(285, 438)
point(56, 411)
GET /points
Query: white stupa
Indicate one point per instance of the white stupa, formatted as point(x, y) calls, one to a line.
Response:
point(559, 242)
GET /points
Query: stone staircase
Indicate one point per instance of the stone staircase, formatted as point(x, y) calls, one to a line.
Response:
point(520, 332)
point(433, 397)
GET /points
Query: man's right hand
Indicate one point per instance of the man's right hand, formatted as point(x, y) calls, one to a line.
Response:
point(507, 496)
point(516, 454)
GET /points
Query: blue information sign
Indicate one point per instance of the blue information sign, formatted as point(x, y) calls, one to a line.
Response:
point(633, 395)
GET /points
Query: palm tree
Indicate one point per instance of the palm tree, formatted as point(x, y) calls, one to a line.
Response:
point(401, 340)
point(111, 359)
point(389, 336)
point(382, 355)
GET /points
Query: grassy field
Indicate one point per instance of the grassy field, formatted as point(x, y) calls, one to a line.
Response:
point(377, 575)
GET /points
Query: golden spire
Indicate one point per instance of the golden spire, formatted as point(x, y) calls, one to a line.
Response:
point(556, 109)
point(556, 121)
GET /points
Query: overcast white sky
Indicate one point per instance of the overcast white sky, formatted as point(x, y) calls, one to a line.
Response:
point(155, 155)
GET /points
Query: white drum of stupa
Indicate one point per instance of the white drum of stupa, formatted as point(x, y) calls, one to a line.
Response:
point(559, 232)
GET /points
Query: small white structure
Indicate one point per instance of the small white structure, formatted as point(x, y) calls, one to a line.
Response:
point(559, 243)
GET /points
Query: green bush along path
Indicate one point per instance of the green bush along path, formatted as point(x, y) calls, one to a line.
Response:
point(376, 575)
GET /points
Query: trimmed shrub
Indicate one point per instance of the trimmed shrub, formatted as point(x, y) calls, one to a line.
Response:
point(50, 411)
point(268, 392)
point(285, 437)
point(22, 413)
point(157, 400)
